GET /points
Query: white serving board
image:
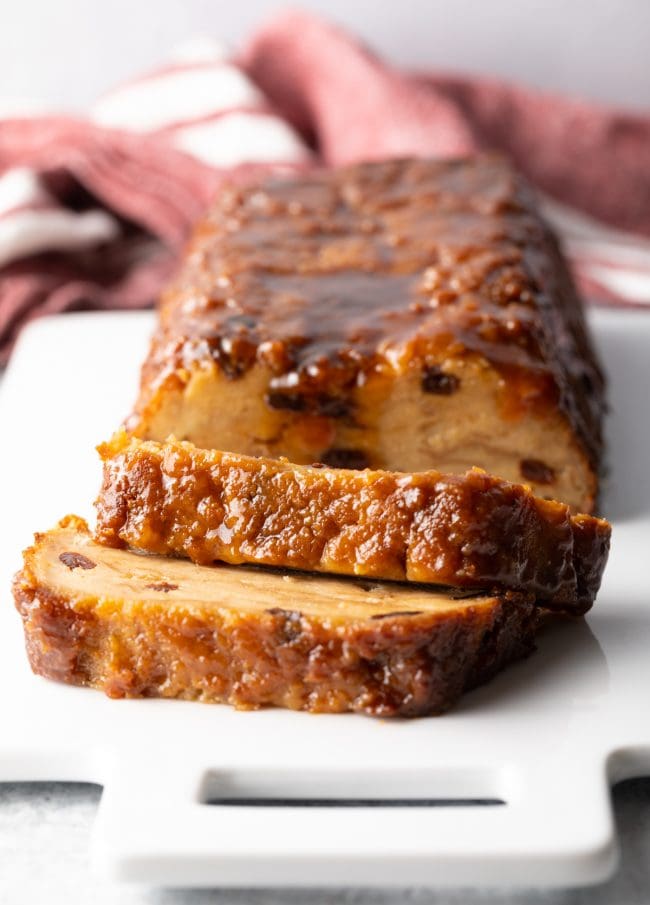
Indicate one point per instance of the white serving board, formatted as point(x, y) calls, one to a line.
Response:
point(548, 736)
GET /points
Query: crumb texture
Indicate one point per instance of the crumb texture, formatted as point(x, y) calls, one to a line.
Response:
point(251, 638)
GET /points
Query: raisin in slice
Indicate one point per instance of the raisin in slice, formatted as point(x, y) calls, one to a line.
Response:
point(537, 471)
point(345, 458)
point(436, 381)
point(76, 561)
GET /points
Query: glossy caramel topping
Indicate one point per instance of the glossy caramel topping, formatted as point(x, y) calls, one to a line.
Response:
point(464, 531)
point(373, 268)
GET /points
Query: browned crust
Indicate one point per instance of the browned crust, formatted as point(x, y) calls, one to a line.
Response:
point(418, 261)
point(400, 665)
point(470, 531)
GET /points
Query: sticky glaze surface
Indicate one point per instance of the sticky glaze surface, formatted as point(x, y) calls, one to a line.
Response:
point(373, 270)
point(472, 531)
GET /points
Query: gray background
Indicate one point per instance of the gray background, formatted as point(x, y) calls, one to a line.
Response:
point(67, 51)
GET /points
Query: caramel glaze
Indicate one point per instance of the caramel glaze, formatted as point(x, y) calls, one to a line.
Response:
point(128, 645)
point(464, 531)
point(377, 268)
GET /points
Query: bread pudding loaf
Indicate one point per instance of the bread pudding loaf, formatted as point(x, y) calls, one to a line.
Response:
point(471, 531)
point(405, 315)
point(142, 626)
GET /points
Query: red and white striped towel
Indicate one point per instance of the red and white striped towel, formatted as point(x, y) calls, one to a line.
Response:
point(93, 210)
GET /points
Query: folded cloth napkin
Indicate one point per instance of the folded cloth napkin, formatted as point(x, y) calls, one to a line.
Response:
point(93, 210)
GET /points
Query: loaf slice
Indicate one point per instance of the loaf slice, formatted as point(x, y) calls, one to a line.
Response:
point(142, 626)
point(404, 315)
point(469, 531)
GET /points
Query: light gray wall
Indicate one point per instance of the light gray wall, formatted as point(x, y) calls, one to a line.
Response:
point(67, 51)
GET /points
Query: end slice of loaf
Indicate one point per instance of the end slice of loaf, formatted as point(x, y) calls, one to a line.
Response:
point(469, 531)
point(141, 626)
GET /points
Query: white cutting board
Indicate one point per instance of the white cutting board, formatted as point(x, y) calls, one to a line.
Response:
point(548, 736)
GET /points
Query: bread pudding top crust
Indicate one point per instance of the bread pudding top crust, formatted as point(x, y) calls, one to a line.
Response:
point(382, 267)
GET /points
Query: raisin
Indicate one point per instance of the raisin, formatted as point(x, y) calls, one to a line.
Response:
point(76, 561)
point(286, 401)
point(434, 380)
point(345, 458)
point(328, 406)
point(163, 586)
point(537, 471)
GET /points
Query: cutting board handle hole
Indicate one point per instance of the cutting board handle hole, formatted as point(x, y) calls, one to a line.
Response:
point(356, 802)
point(305, 788)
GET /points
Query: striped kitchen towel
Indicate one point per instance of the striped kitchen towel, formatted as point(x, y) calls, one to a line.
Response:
point(93, 210)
